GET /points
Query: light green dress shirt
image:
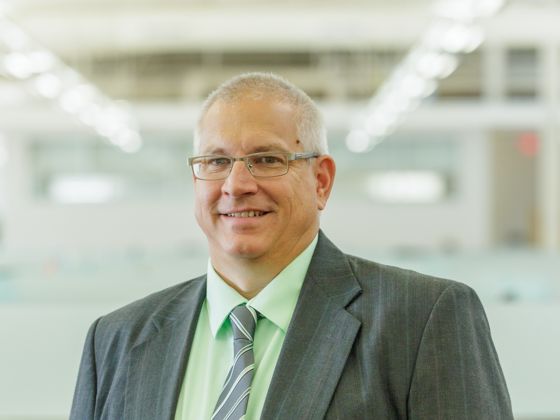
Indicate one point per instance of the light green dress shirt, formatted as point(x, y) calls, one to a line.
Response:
point(212, 349)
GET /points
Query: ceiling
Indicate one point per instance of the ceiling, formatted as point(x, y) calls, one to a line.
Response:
point(178, 50)
point(81, 28)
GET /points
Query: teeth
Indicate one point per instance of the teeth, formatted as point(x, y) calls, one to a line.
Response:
point(246, 214)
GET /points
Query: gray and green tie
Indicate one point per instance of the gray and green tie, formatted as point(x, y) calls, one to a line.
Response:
point(232, 403)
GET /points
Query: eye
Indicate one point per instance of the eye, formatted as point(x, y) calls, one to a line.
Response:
point(217, 161)
point(268, 160)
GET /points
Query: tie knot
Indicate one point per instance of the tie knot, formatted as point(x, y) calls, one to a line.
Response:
point(243, 321)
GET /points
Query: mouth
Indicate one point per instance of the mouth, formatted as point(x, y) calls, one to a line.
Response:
point(247, 213)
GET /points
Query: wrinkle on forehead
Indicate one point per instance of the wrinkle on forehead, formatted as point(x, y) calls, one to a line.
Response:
point(250, 125)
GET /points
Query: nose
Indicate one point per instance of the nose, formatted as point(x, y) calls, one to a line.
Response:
point(239, 181)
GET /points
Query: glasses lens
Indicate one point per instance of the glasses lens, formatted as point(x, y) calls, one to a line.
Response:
point(268, 164)
point(211, 167)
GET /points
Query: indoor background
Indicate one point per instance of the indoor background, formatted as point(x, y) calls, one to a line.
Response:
point(443, 118)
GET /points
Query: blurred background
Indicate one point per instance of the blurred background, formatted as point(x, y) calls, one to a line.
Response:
point(443, 118)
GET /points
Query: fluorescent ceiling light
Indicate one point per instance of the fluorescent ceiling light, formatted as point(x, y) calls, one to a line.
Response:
point(128, 140)
point(358, 141)
point(406, 187)
point(454, 32)
point(436, 65)
point(48, 77)
point(84, 189)
point(18, 65)
point(48, 85)
point(458, 38)
point(12, 36)
point(467, 9)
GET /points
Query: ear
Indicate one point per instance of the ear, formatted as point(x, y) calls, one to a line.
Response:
point(325, 170)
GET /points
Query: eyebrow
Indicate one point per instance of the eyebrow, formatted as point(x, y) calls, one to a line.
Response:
point(258, 149)
point(269, 148)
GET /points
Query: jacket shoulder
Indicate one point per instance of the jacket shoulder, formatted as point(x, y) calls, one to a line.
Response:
point(132, 322)
point(400, 282)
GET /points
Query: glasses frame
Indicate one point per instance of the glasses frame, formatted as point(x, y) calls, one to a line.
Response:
point(245, 159)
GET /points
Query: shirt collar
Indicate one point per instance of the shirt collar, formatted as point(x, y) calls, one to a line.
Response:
point(276, 301)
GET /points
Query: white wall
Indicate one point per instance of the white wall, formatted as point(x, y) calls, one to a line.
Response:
point(461, 221)
point(34, 225)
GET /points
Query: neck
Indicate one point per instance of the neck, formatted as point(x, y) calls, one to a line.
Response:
point(248, 276)
point(247, 280)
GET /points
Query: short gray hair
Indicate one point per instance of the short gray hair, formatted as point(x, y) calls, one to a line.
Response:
point(310, 127)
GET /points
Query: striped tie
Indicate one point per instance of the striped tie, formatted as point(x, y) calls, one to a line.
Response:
point(232, 403)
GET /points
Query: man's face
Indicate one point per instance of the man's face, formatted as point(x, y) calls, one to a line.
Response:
point(285, 209)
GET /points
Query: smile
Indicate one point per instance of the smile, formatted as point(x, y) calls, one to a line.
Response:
point(251, 213)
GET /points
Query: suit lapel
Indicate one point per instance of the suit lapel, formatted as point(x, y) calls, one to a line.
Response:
point(318, 341)
point(157, 364)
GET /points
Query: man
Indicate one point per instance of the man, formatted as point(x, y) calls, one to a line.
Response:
point(284, 325)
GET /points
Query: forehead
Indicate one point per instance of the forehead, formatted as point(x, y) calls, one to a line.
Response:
point(248, 125)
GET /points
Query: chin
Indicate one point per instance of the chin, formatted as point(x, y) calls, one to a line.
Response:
point(243, 248)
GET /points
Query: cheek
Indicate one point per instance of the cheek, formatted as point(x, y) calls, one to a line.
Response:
point(304, 198)
point(198, 211)
point(203, 202)
point(206, 194)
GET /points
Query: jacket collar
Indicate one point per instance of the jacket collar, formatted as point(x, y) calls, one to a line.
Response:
point(158, 360)
point(318, 341)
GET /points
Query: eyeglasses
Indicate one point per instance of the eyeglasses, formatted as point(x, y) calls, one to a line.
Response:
point(261, 165)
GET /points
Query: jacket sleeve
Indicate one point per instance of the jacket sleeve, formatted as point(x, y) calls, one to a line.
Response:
point(83, 404)
point(457, 374)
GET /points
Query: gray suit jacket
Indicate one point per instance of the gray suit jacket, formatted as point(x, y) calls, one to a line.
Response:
point(366, 341)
